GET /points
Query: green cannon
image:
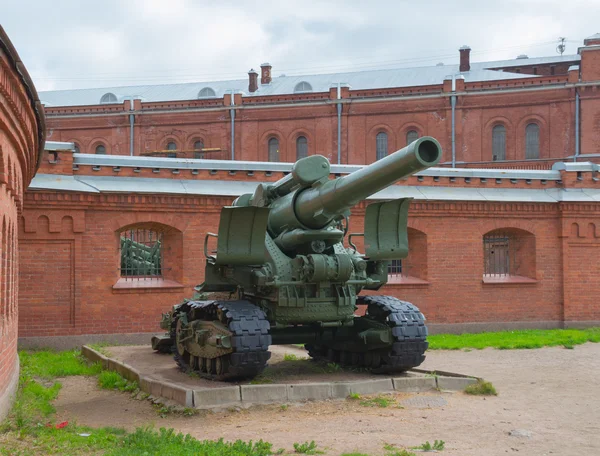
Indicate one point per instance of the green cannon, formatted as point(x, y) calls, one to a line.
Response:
point(291, 280)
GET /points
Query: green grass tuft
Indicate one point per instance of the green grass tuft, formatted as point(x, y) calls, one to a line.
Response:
point(438, 445)
point(505, 340)
point(113, 380)
point(48, 364)
point(290, 357)
point(481, 388)
point(378, 401)
point(306, 448)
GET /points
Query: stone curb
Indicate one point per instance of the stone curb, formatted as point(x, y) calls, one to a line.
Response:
point(242, 395)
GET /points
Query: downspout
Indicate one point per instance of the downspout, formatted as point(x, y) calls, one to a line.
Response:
point(131, 123)
point(453, 104)
point(339, 123)
point(577, 151)
point(232, 125)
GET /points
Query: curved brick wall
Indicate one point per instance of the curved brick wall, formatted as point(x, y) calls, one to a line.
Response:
point(21, 141)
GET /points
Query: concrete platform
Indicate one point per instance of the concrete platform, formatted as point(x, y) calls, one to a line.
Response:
point(284, 380)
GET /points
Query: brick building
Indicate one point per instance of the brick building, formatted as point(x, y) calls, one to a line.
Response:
point(532, 110)
point(21, 144)
point(491, 248)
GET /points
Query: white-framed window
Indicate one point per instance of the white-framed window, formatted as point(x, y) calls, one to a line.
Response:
point(499, 143)
point(532, 141)
point(381, 145)
point(303, 86)
point(108, 98)
point(207, 92)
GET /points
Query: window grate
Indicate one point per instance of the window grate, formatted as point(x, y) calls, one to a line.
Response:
point(499, 254)
point(381, 144)
point(398, 268)
point(141, 253)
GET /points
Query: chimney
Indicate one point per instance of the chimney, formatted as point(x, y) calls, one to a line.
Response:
point(252, 81)
point(265, 73)
point(465, 64)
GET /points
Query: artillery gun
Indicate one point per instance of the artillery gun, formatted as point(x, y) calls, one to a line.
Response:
point(281, 252)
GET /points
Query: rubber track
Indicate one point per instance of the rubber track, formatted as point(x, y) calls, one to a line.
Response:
point(409, 332)
point(250, 340)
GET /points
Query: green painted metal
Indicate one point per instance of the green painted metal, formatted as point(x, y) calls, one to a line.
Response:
point(138, 259)
point(282, 250)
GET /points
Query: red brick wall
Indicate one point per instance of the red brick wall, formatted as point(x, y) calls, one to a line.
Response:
point(548, 101)
point(19, 144)
point(447, 254)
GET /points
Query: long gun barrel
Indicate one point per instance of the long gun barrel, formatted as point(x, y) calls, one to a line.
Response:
point(315, 207)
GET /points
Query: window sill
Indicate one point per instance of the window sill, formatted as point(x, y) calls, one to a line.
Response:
point(144, 285)
point(507, 280)
point(406, 280)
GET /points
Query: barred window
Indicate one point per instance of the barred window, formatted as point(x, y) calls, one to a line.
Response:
point(499, 143)
point(198, 146)
point(411, 136)
point(381, 144)
point(273, 150)
point(532, 141)
point(141, 253)
point(498, 253)
point(395, 268)
point(301, 147)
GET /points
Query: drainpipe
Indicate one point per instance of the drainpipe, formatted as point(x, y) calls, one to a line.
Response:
point(453, 103)
point(339, 123)
point(232, 125)
point(577, 151)
point(131, 122)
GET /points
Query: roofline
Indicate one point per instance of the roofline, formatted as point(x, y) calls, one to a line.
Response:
point(21, 71)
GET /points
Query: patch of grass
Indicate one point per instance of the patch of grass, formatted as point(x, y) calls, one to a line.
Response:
point(283, 407)
point(261, 380)
point(354, 396)
point(402, 452)
point(505, 340)
point(30, 429)
point(481, 388)
point(306, 448)
point(438, 445)
point(354, 454)
point(49, 364)
point(377, 401)
point(113, 380)
point(290, 357)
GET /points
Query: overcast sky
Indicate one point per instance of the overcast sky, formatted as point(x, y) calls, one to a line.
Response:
point(83, 43)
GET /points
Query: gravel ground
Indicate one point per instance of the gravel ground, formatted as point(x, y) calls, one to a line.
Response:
point(550, 395)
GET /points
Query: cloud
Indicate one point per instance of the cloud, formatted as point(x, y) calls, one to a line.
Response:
point(74, 44)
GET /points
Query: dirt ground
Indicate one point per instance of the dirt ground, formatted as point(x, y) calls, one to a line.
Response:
point(552, 393)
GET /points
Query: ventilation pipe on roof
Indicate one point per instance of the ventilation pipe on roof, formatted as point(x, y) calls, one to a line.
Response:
point(465, 60)
point(252, 81)
point(339, 123)
point(453, 104)
point(577, 151)
point(265, 73)
point(232, 124)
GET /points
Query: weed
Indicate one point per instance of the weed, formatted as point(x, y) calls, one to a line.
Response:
point(112, 380)
point(306, 448)
point(290, 357)
point(401, 452)
point(261, 380)
point(354, 454)
point(330, 368)
point(189, 411)
point(378, 401)
point(481, 388)
point(354, 396)
point(283, 407)
point(438, 445)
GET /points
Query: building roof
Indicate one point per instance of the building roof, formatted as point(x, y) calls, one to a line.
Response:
point(283, 85)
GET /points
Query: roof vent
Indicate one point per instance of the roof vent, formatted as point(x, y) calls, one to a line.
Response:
point(522, 56)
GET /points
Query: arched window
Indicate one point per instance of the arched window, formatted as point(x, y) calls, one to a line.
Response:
point(100, 149)
point(532, 141)
point(411, 136)
point(508, 252)
point(498, 143)
point(207, 92)
point(141, 253)
point(303, 86)
point(171, 145)
point(381, 143)
point(273, 150)
point(198, 146)
point(76, 148)
point(108, 98)
point(301, 147)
